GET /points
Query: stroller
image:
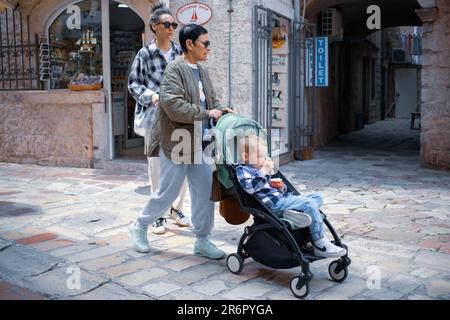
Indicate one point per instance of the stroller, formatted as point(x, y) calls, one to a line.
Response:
point(270, 240)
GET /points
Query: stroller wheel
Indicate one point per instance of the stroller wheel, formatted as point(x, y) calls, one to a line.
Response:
point(337, 271)
point(301, 292)
point(235, 263)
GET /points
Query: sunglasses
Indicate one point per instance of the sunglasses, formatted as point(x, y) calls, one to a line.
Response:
point(168, 24)
point(206, 43)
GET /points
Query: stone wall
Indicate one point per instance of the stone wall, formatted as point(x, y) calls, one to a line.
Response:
point(53, 127)
point(241, 51)
point(435, 134)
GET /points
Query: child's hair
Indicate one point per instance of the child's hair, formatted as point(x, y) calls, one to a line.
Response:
point(157, 11)
point(250, 145)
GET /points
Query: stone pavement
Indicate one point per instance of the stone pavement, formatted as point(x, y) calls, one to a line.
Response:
point(63, 231)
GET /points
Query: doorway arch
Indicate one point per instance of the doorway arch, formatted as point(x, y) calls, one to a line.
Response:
point(127, 32)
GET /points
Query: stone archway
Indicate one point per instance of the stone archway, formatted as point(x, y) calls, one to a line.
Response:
point(435, 134)
point(355, 12)
point(434, 16)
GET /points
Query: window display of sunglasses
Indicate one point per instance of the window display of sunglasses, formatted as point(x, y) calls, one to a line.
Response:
point(168, 24)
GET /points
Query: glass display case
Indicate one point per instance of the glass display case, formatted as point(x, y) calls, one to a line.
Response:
point(75, 43)
point(280, 86)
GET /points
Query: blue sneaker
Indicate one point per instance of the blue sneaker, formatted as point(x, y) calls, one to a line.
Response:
point(139, 238)
point(205, 248)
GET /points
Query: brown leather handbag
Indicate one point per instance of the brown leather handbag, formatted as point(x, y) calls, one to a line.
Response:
point(229, 206)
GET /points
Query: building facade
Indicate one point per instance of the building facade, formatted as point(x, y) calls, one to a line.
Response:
point(69, 39)
point(259, 65)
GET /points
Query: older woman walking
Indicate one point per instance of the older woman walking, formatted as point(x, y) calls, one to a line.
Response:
point(187, 100)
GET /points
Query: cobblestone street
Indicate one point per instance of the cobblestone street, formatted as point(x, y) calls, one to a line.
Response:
point(394, 216)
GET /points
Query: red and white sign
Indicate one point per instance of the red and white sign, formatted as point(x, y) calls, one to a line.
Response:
point(197, 13)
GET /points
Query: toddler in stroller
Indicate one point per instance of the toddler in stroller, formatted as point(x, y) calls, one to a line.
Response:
point(303, 211)
point(287, 230)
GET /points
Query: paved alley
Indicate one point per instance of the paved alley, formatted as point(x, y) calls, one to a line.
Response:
point(63, 231)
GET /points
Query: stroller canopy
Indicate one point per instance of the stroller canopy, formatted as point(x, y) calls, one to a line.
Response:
point(228, 131)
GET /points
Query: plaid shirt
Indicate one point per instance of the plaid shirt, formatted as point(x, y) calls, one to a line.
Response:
point(147, 73)
point(254, 182)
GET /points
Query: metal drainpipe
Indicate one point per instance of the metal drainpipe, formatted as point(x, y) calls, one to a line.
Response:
point(383, 76)
point(296, 10)
point(230, 13)
point(107, 72)
point(296, 141)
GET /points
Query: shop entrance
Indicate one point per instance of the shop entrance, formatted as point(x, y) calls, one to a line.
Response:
point(126, 31)
point(284, 90)
point(272, 103)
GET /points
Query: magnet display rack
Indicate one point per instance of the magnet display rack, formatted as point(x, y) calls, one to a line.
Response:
point(280, 94)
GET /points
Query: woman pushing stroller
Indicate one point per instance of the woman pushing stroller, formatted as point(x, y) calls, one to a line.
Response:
point(302, 211)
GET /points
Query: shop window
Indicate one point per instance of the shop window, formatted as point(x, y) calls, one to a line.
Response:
point(75, 44)
point(280, 85)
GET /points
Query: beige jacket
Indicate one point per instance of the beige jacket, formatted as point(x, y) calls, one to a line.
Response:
point(178, 107)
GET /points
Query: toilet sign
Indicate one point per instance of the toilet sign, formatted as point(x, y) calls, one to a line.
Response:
point(197, 13)
point(321, 61)
point(316, 62)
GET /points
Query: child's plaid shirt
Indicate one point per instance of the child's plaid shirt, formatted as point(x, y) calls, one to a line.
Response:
point(255, 182)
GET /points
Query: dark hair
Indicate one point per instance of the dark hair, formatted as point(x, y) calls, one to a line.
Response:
point(190, 32)
point(157, 11)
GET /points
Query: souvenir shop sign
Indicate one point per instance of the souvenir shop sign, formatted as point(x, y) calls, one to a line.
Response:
point(197, 13)
point(316, 62)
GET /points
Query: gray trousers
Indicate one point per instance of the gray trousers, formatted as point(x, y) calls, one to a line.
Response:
point(154, 179)
point(199, 177)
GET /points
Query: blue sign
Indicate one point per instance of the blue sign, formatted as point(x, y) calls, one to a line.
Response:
point(309, 62)
point(321, 61)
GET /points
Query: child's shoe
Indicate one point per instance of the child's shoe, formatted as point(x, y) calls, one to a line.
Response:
point(324, 248)
point(300, 219)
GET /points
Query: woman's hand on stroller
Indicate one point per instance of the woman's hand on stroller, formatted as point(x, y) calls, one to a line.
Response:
point(228, 110)
point(214, 113)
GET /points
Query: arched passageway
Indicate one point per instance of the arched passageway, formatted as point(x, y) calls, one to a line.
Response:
point(376, 73)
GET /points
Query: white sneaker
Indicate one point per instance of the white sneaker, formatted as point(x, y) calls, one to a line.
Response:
point(179, 217)
point(205, 248)
point(324, 248)
point(159, 226)
point(139, 238)
point(300, 219)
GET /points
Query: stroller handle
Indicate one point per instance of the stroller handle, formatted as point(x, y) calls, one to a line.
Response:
point(213, 121)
